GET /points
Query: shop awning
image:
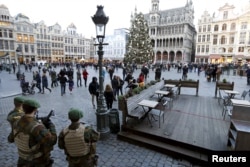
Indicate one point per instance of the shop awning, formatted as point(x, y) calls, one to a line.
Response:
point(215, 56)
point(239, 56)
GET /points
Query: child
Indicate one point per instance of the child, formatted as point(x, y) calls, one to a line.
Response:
point(71, 84)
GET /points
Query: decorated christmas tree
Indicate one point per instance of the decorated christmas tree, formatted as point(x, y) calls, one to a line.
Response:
point(139, 47)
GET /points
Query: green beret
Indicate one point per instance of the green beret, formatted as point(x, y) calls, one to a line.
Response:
point(75, 114)
point(19, 99)
point(32, 103)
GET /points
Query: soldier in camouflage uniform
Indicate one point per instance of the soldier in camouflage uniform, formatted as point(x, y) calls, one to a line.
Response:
point(15, 115)
point(34, 139)
point(79, 141)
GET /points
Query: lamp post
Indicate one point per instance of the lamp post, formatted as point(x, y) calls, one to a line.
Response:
point(100, 20)
point(18, 63)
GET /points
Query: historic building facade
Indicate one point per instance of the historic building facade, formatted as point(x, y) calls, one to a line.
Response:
point(25, 39)
point(22, 41)
point(7, 40)
point(116, 48)
point(224, 37)
point(172, 32)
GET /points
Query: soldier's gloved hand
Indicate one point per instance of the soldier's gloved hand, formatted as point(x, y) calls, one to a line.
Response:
point(47, 123)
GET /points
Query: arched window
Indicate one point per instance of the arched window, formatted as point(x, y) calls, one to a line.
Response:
point(223, 40)
point(232, 26)
point(224, 27)
point(216, 28)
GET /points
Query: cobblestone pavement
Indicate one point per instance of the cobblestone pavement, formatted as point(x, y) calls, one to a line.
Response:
point(113, 152)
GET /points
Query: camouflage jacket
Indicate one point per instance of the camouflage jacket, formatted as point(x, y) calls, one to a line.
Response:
point(38, 135)
point(12, 117)
point(90, 135)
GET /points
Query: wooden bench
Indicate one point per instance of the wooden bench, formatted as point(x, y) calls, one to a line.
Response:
point(130, 107)
point(223, 86)
point(189, 84)
point(181, 83)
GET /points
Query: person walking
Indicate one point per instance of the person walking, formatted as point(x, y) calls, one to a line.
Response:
point(45, 82)
point(94, 90)
point(115, 85)
point(78, 77)
point(53, 78)
point(79, 141)
point(120, 85)
point(71, 84)
point(85, 76)
point(109, 96)
point(34, 139)
point(15, 115)
point(62, 80)
point(38, 81)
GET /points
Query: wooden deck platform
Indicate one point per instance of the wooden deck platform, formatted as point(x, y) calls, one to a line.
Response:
point(194, 123)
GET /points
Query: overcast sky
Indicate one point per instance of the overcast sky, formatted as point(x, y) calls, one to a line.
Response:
point(79, 12)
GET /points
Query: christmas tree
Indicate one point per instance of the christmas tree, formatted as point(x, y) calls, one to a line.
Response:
point(139, 47)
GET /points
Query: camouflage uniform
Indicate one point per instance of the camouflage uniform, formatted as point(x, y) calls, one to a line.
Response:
point(34, 140)
point(82, 154)
point(15, 115)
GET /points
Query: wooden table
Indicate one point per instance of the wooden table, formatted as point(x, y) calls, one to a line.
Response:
point(161, 93)
point(169, 86)
point(150, 104)
point(240, 102)
point(231, 93)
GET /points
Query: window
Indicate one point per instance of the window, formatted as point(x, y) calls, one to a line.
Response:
point(32, 48)
point(225, 14)
point(208, 38)
point(231, 39)
point(223, 40)
point(6, 45)
point(19, 38)
point(232, 26)
point(31, 38)
point(204, 28)
point(209, 28)
point(5, 33)
point(26, 48)
point(244, 25)
point(202, 48)
point(215, 39)
point(1, 44)
point(203, 38)
point(242, 38)
point(198, 49)
point(1, 33)
point(241, 49)
point(224, 27)
point(10, 34)
point(25, 38)
point(216, 28)
point(199, 28)
point(199, 38)
point(230, 50)
point(207, 48)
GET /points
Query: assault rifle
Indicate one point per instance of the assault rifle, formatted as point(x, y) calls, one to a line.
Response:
point(45, 119)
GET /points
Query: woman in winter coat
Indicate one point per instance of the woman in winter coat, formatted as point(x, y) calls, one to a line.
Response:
point(45, 82)
point(109, 96)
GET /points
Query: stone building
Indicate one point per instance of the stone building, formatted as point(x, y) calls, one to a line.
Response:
point(7, 40)
point(224, 37)
point(172, 32)
point(23, 42)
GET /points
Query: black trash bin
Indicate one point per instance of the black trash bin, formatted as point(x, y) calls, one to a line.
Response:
point(114, 121)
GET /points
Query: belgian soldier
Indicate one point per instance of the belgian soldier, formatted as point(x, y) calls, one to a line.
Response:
point(15, 115)
point(78, 141)
point(34, 139)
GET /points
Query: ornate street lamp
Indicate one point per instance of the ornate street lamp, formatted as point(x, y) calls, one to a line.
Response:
point(100, 20)
point(18, 50)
